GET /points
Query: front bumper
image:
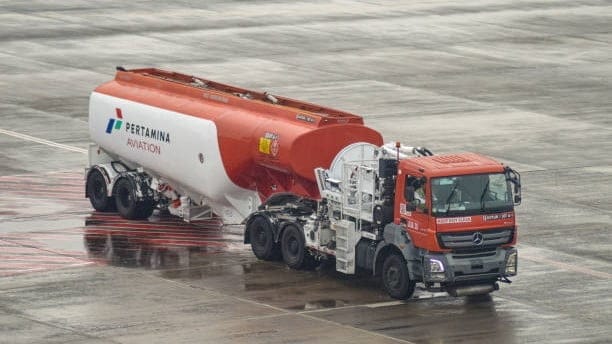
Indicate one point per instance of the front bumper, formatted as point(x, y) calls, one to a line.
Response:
point(451, 268)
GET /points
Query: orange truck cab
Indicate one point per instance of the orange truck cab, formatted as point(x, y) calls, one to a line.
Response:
point(458, 211)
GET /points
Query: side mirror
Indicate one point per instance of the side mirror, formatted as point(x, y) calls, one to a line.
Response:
point(515, 178)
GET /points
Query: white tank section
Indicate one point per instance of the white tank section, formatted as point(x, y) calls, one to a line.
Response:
point(360, 151)
point(181, 150)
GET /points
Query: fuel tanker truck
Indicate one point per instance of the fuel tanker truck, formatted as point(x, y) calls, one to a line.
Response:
point(308, 182)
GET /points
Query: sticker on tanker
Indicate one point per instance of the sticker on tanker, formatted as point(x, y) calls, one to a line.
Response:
point(269, 144)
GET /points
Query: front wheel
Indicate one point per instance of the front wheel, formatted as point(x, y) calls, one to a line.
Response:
point(395, 277)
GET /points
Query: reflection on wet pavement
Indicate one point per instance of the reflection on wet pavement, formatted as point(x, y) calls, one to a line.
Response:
point(47, 224)
point(159, 242)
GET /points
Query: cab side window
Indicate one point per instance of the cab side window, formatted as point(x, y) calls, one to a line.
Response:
point(415, 192)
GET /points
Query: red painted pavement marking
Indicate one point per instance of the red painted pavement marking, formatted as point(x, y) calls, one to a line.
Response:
point(17, 259)
point(29, 252)
point(33, 268)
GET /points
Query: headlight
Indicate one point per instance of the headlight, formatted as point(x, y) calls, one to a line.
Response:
point(436, 270)
point(511, 264)
point(435, 266)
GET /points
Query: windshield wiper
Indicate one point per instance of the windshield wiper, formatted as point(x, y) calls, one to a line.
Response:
point(451, 196)
point(482, 196)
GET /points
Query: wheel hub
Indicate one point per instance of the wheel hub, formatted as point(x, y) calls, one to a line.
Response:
point(98, 190)
point(261, 236)
point(393, 277)
point(293, 246)
point(125, 198)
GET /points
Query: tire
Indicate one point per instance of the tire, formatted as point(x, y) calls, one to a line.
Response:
point(97, 192)
point(146, 209)
point(395, 277)
point(293, 247)
point(127, 204)
point(261, 237)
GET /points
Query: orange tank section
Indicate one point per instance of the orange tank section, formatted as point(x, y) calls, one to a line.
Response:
point(268, 143)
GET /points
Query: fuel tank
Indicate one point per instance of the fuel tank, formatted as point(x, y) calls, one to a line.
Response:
point(227, 146)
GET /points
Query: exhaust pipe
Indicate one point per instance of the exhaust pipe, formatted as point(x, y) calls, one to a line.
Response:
point(467, 290)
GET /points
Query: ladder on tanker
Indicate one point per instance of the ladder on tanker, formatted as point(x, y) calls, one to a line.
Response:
point(358, 186)
point(354, 197)
point(346, 239)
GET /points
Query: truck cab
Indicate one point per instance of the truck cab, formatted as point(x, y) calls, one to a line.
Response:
point(458, 211)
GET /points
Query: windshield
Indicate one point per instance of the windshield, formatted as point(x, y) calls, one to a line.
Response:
point(470, 194)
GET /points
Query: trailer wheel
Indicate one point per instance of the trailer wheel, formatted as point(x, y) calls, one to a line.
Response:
point(395, 277)
point(146, 209)
point(127, 204)
point(97, 192)
point(261, 236)
point(293, 247)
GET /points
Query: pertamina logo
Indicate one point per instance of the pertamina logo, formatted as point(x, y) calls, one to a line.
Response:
point(138, 135)
point(114, 123)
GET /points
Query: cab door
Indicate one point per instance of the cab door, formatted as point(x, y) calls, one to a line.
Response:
point(412, 196)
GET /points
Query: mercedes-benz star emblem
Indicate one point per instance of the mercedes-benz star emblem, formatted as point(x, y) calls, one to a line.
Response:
point(477, 239)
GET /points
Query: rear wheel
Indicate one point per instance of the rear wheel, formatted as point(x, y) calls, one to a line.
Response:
point(261, 237)
point(146, 209)
point(293, 247)
point(395, 277)
point(127, 203)
point(97, 192)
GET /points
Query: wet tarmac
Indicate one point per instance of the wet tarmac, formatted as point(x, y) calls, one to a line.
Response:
point(525, 82)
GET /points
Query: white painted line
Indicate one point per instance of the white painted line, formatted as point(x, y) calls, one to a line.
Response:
point(321, 310)
point(418, 296)
point(42, 141)
point(385, 304)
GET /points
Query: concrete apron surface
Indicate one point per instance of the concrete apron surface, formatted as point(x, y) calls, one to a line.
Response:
point(526, 82)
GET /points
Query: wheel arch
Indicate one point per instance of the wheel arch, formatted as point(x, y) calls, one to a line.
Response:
point(396, 240)
point(382, 252)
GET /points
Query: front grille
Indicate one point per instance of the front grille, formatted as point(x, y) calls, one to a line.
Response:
point(469, 254)
point(491, 271)
point(465, 240)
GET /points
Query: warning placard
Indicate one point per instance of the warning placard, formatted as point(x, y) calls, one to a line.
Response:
point(264, 145)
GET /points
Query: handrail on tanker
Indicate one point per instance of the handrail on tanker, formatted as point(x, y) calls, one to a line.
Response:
point(200, 83)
